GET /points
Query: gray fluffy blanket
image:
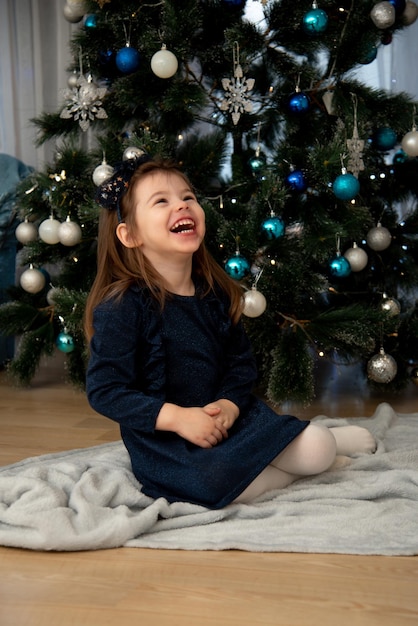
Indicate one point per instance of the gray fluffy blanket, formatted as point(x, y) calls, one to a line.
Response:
point(89, 499)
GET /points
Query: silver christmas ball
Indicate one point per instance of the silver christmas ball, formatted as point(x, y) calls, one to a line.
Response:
point(357, 258)
point(48, 230)
point(73, 13)
point(383, 15)
point(69, 233)
point(72, 80)
point(409, 143)
point(410, 13)
point(26, 232)
point(378, 238)
point(391, 306)
point(132, 152)
point(164, 63)
point(102, 173)
point(32, 280)
point(51, 295)
point(254, 303)
point(382, 367)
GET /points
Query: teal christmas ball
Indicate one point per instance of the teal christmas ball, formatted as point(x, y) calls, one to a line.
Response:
point(339, 267)
point(315, 22)
point(127, 60)
point(257, 164)
point(90, 21)
point(273, 227)
point(65, 342)
point(299, 103)
point(346, 186)
point(385, 138)
point(399, 157)
point(237, 267)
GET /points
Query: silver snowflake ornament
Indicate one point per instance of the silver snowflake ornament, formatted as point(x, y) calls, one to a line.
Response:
point(84, 102)
point(355, 150)
point(236, 100)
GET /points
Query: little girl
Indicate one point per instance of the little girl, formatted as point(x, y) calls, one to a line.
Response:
point(170, 361)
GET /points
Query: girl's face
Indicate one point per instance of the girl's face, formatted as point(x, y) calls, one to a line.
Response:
point(169, 221)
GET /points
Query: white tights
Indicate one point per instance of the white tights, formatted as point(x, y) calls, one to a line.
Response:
point(314, 451)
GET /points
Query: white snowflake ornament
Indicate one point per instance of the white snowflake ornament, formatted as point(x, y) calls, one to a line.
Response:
point(236, 100)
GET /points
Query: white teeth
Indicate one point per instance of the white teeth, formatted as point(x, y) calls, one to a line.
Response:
point(179, 226)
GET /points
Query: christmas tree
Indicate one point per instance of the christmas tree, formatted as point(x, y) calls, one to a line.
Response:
point(308, 177)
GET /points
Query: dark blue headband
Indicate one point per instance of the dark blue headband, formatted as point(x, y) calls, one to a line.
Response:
point(110, 193)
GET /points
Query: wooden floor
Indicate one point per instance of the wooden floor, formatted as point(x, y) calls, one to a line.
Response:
point(131, 586)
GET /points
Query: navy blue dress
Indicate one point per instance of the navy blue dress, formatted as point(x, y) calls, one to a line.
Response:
point(189, 354)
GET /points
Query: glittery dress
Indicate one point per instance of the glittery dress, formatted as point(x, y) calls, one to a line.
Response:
point(190, 354)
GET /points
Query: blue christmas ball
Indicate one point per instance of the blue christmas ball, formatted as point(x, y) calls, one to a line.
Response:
point(339, 267)
point(398, 5)
point(346, 186)
point(315, 22)
point(127, 60)
point(237, 267)
point(90, 21)
point(296, 180)
point(299, 102)
point(273, 227)
point(65, 342)
point(385, 138)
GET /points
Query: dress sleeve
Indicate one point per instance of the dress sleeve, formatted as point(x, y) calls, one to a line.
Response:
point(240, 372)
point(113, 372)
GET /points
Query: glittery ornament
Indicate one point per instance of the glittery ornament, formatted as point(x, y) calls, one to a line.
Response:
point(84, 103)
point(69, 233)
point(378, 238)
point(32, 280)
point(357, 258)
point(346, 186)
point(26, 232)
point(383, 15)
point(382, 367)
point(236, 100)
point(102, 173)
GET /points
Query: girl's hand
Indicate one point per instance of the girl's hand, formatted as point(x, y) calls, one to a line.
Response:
point(195, 424)
point(228, 412)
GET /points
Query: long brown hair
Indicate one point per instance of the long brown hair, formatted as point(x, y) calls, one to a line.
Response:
point(118, 267)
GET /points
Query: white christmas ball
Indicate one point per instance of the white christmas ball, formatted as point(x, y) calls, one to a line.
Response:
point(382, 367)
point(102, 173)
point(32, 280)
point(164, 63)
point(26, 232)
point(357, 258)
point(72, 13)
point(132, 152)
point(410, 13)
point(378, 238)
point(383, 15)
point(51, 295)
point(409, 143)
point(254, 303)
point(48, 230)
point(69, 233)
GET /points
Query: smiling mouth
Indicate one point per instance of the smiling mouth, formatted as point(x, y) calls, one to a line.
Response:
point(183, 226)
